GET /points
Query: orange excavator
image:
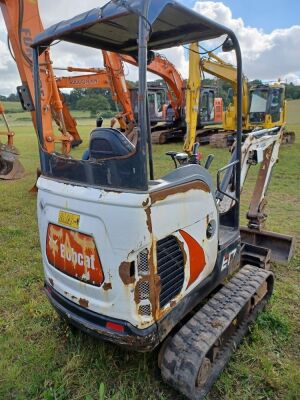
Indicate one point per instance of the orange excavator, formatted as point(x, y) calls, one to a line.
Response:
point(111, 77)
point(10, 166)
point(210, 106)
point(173, 122)
point(23, 23)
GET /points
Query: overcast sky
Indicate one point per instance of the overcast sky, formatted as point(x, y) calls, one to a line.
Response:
point(267, 29)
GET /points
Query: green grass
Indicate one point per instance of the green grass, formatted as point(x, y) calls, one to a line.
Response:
point(41, 358)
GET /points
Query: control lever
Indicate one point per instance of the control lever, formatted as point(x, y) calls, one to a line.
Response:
point(182, 158)
point(209, 160)
point(172, 154)
point(194, 156)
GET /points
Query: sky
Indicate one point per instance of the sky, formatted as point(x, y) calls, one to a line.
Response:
point(265, 14)
point(268, 31)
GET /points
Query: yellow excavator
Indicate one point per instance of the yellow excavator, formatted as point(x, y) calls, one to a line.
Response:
point(263, 105)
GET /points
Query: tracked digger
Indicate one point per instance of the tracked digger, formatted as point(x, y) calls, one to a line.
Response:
point(163, 126)
point(263, 105)
point(151, 263)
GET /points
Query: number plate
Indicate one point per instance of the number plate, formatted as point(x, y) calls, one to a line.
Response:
point(69, 219)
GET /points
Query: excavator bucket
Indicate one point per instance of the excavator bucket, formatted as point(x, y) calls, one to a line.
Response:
point(10, 166)
point(282, 246)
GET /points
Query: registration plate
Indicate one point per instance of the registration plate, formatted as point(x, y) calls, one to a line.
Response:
point(68, 219)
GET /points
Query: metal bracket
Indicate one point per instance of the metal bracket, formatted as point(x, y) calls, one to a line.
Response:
point(25, 98)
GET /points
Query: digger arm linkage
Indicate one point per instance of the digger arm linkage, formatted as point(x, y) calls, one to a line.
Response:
point(260, 147)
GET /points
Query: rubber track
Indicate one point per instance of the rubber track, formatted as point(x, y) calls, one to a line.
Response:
point(187, 349)
point(155, 137)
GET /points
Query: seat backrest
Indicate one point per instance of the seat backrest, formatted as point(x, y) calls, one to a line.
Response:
point(109, 143)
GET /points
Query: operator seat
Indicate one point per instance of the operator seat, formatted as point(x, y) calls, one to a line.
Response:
point(109, 143)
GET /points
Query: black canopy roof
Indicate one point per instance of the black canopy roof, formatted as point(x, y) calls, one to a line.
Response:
point(114, 27)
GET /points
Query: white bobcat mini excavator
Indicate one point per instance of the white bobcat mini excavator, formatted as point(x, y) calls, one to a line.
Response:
point(138, 261)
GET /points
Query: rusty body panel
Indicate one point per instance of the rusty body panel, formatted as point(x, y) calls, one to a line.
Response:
point(123, 280)
point(162, 194)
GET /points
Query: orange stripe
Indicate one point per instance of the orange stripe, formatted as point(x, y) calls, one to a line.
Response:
point(197, 257)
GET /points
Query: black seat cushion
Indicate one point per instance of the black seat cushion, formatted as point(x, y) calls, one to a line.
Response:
point(109, 143)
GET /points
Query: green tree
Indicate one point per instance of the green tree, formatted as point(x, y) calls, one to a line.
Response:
point(95, 104)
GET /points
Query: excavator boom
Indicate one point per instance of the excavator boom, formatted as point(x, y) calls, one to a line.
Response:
point(168, 72)
point(23, 23)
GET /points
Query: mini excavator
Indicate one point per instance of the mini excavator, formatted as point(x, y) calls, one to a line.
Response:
point(151, 263)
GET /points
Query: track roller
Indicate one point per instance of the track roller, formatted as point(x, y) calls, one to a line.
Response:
point(197, 354)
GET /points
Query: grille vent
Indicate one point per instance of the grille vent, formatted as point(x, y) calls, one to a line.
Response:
point(142, 262)
point(170, 268)
point(145, 309)
point(144, 290)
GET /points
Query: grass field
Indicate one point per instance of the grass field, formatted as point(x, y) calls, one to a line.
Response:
point(41, 358)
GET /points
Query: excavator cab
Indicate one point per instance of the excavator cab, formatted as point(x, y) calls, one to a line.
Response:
point(206, 114)
point(267, 105)
point(130, 258)
point(157, 103)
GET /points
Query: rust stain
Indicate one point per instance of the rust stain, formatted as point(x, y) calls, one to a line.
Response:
point(146, 202)
point(172, 303)
point(51, 282)
point(148, 220)
point(125, 273)
point(107, 286)
point(181, 245)
point(155, 284)
point(84, 302)
point(185, 187)
point(112, 191)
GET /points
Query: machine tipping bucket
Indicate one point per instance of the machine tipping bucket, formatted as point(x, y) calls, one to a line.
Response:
point(10, 166)
point(282, 246)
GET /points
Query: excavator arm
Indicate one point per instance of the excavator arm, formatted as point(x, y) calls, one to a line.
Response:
point(23, 23)
point(168, 72)
point(112, 78)
point(192, 97)
point(215, 66)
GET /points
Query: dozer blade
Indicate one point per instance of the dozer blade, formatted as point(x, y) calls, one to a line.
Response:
point(196, 355)
point(281, 246)
point(10, 166)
